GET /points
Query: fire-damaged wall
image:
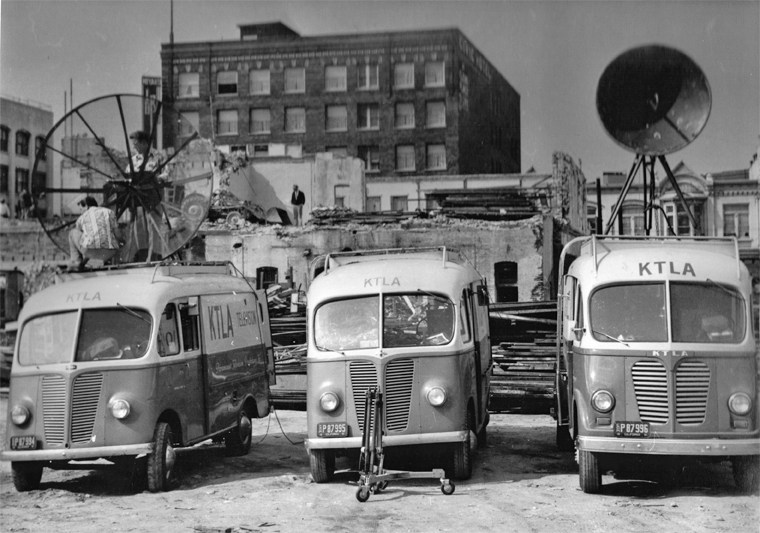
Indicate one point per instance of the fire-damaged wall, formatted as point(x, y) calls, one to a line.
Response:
point(516, 257)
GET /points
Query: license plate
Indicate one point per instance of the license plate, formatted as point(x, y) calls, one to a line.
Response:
point(28, 442)
point(632, 429)
point(332, 429)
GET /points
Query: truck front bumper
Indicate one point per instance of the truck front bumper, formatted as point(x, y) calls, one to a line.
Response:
point(392, 440)
point(654, 446)
point(76, 454)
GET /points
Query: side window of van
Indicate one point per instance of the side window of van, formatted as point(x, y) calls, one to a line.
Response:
point(188, 317)
point(464, 317)
point(168, 337)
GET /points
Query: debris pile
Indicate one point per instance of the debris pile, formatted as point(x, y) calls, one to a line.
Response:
point(496, 203)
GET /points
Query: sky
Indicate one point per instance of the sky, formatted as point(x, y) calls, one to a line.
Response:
point(552, 52)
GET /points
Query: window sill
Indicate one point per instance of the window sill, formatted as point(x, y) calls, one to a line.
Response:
point(376, 88)
point(377, 128)
point(294, 92)
point(188, 97)
point(295, 131)
point(336, 131)
point(230, 134)
point(436, 86)
point(400, 88)
point(227, 95)
point(261, 133)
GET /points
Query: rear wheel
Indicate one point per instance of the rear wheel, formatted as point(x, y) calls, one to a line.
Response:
point(590, 476)
point(161, 462)
point(26, 475)
point(322, 465)
point(463, 452)
point(238, 441)
point(746, 472)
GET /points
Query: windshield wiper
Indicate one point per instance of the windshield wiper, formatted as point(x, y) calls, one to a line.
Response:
point(131, 312)
point(611, 337)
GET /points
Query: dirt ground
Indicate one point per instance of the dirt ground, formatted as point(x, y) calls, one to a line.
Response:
point(520, 483)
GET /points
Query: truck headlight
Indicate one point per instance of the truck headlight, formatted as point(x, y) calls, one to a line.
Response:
point(740, 403)
point(119, 408)
point(329, 402)
point(20, 415)
point(436, 396)
point(603, 401)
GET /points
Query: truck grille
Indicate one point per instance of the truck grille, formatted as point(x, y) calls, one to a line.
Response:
point(84, 406)
point(650, 382)
point(53, 408)
point(399, 380)
point(692, 386)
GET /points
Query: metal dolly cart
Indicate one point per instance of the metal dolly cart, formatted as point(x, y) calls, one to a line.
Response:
point(374, 477)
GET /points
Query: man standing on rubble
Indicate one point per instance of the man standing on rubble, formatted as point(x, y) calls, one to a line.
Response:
point(297, 199)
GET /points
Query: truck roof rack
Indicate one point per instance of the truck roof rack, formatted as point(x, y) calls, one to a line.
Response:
point(334, 260)
point(165, 268)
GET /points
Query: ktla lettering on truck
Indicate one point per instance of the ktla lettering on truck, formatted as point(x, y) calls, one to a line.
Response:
point(134, 361)
point(414, 323)
point(656, 356)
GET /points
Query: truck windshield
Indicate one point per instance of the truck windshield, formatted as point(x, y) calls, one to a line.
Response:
point(633, 312)
point(412, 319)
point(119, 333)
point(706, 312)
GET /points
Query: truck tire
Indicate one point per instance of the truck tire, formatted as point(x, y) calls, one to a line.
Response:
point(26, 475)
point(590, 476)
point(463, 452)
point(746, 472)
point(161, 462)
point(238, 440)
point(322, 465)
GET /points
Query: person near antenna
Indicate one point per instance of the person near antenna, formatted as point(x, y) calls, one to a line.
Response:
point(95, 234)
point(297, 199)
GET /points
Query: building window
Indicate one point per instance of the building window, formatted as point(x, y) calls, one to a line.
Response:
point(434, 74)
point(736, 220)
point(259, 82)
point(435, 114)
point(295, 80)
point(505, 278)
point(633, 220)
point(295, 119)
point(367, 76)
point(341, 193)
point(403, 76)
point(404, 115)
point(341, 151)
point(336, 118)
point(371, 157)
point(260, 121)
point(22, 143)
point(226, 82)
point(680, 224)
point(405, 157)
point(5, 133)
point(227, 122)
point(22, 180)
point(436, 157)
point(4, 179)
point(189, 123)
point(368, 117)
point(399, 203)
point(189, 85)
point(373, 204)
point(591, 220)
point(40, 149)
point(260, 150)
point(335, 78)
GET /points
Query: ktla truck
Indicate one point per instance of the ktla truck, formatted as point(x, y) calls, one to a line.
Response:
point(135, 361)
point(413, 322)
point(656, 356)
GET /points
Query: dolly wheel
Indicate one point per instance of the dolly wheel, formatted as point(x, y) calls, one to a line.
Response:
point(362, 493)
point(448, 488)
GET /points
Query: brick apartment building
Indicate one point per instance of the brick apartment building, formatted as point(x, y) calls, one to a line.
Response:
point(413, 102)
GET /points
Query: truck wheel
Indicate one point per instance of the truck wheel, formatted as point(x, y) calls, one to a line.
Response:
point(238, 440)
point(322, 465)
point(746, 472)
point(565, 441)
point(161, 461)
point(26, 475)
point(590, 476)
point(463, 453)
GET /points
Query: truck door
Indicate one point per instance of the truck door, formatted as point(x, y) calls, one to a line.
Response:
point(481, 332)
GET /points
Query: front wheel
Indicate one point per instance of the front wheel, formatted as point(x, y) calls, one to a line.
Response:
point(322, 465)
point(590, 476)
point(746, 472)
point(238, 440)
point(161, 462)
point(26, 475)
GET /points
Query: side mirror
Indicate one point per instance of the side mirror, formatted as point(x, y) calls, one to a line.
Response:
point(482, 295)
point(576, 332)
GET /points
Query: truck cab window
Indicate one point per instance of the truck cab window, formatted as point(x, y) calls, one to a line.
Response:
point(706, 313)
point(464, 318)
point(168, 336)
point(641, 318)
point(106, 334)
point(188, 317)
